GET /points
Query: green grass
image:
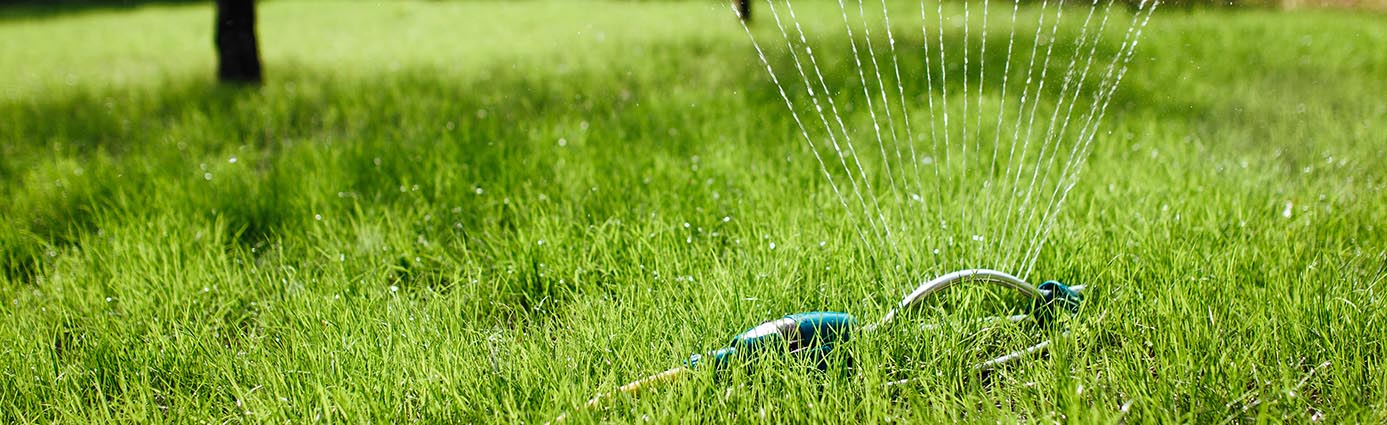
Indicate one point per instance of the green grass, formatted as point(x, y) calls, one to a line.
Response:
point(490, 211)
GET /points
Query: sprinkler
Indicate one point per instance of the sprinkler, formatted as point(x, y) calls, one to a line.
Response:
point(813, 336)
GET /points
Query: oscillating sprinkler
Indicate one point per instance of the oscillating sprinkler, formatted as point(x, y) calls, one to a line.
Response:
point(813, 336)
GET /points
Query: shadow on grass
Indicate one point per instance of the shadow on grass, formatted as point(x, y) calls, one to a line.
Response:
point(28, 10)
point(306, 146)
point(421, 138)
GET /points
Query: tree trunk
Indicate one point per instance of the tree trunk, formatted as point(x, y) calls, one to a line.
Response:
point(238, 56)
point(743, 8)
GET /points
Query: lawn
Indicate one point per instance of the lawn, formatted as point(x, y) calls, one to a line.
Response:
point(491, 211)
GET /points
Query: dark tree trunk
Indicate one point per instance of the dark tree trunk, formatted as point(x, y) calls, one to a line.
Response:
point(238, 57)
point(743, 9)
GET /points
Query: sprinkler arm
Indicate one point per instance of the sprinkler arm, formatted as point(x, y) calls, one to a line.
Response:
point(971, 275)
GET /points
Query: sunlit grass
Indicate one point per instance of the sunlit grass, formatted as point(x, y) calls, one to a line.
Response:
point(490, 211)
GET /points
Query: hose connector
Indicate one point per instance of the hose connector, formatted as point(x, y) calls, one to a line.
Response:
point(1056, 296)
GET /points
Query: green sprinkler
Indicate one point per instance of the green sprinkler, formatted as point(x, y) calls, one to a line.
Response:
point(813, 336)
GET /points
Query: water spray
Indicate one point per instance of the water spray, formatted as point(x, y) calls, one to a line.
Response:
point(813, 336)
point(1088, 85)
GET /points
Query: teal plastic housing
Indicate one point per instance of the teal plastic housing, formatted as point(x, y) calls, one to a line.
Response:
point(811, 335)
point(1057, 296)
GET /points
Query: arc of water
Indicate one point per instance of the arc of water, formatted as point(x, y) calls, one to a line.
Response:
point(833, 140)
point(977, 132)
point(793, 113)
point(1030, 219)
point(1092, 132)
point(1046, 139)
point(982, 77)
point(1107, 81)
point(890, 119)
point(1016, 133)
point(935, 163)
point(918, 194)
point(1039, 92)
point(1051, 136)
point(997, 132)
point(963, 120)
point(871, 108)
point(944, 89)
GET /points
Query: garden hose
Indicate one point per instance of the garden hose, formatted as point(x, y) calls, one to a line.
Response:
point(814, 335)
